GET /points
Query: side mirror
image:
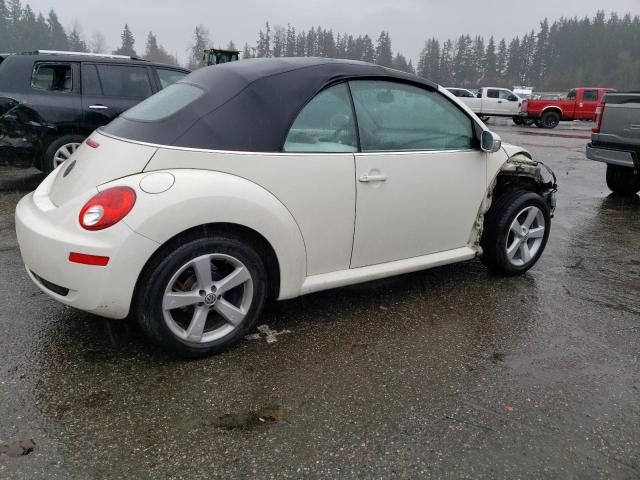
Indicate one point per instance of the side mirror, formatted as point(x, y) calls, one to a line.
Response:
point(490, 142)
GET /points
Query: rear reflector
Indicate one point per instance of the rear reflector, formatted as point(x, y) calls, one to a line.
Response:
point(88, 259)
point(92, 143)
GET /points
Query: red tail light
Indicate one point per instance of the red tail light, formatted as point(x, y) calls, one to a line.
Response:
point(107, 208)
point(599, 115)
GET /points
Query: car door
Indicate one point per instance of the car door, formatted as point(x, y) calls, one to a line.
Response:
point(586, 104)
point(110, 89)
point(420, 174)
point(508, 102)
point(491, 101)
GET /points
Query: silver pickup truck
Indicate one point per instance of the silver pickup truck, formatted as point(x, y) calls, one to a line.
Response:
point(616, 141)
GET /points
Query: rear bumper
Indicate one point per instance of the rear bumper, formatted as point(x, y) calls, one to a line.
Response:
point(623, 158)
point(46, 238)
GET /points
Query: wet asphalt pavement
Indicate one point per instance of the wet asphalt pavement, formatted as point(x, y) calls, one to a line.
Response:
point(445, 373)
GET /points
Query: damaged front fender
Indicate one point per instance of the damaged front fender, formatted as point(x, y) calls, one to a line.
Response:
point(22, 131)
point(519, 172)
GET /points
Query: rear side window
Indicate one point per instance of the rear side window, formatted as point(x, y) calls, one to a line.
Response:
point(123, 81)
point(325, 125)
point(590, 95)
point(52, 77)
point(572, 95)
point(491, 93)
point(169, 77)
point(164, 103)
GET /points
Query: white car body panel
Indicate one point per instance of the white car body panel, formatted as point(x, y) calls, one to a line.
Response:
point(415, 212)
point(199, 197)
point(319, 194)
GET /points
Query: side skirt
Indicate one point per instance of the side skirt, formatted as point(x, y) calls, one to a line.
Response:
point(326, 281)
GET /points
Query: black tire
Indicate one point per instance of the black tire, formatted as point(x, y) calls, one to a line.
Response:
point(48, 162)
point(496, 234)
point(155, 279)
point(623, 180)
point(528, 121)
point(517, 120)
point(549, 120)
point(484, 118)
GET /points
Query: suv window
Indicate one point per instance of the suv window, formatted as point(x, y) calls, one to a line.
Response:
point(493, 93)
point(124, 81)
point(167, 77)
point(325, 124)
point(395, 117)
point(53, 77)
point(90, 81)
point(590, 95)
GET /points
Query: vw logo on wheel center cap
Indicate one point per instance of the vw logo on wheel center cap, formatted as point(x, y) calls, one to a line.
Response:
point(210, 299)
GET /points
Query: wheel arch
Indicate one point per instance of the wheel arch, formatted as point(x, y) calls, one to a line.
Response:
point(253, 237)
point(552, 108)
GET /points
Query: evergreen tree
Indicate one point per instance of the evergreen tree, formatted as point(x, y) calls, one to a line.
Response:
point(501, 60)
point(263, 47)
point(246, 52)
point(384, 56)
point(400, 63)
point(76, 43)
point(157, 53)
point(290, 48)
point(57, 36)
point(490, 76)
point(4, 27)
point(446, 63)
point(200, 43)
point(368, 51)
point(128, 43)
point(279, 42)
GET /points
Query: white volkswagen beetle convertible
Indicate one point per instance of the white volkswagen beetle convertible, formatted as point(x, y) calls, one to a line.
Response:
point(275, 177)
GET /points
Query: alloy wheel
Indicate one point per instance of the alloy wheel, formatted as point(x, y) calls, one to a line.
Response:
point(63, 153)
point(207, 298)
point(525, 236)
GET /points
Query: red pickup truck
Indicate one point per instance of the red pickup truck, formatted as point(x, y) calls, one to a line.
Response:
point(580, 104)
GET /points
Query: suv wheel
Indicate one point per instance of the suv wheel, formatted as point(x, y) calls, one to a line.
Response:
point(59, 151)
point(516, 230)
point(549, 120)
point(623, 180)
point(203, 297)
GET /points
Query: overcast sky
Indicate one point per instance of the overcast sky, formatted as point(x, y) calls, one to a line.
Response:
point(409, 22)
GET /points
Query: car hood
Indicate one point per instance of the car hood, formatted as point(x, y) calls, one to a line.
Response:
point(107, 159)
point(512, 150)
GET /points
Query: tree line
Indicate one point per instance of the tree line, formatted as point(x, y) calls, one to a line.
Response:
point(598, 51)
point(570, 52)
point(21, 30)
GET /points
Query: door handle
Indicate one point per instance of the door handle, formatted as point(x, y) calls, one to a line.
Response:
point(373, 178)
point(98, 107)
point(499, 101)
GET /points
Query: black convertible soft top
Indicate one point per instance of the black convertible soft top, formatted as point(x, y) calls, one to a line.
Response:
point(249, 105)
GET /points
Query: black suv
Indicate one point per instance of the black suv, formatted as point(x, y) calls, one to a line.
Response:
point(51, 101)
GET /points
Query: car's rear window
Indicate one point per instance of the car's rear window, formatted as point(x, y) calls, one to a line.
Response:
point(164, 103)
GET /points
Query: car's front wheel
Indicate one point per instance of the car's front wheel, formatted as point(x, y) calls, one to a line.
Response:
point(203, 297)
point(623, 180)
point(516, 231)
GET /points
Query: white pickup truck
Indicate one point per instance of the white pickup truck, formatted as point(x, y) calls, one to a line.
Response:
point(494, 102)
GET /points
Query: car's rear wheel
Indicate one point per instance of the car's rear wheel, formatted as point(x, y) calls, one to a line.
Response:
point(203, 297)
point(517, 120)
point(59, 151)
point(516, 231)
point(549, 120)
point(528, 121)
point(623, 180)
